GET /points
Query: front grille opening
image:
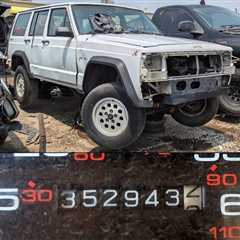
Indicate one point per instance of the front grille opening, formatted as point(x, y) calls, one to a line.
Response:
point(195, 85)
point(187, 65)
point(209, 64)
point(181, 85)
point(181, 66)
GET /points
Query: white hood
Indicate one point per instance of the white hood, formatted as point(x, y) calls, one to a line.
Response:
point(157, 42)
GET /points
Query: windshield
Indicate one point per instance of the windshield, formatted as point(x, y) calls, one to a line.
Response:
point(131, 21)
point(218, 17)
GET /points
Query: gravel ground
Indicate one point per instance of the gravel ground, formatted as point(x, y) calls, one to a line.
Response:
point(221, 134)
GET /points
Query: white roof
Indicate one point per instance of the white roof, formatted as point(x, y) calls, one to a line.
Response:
point(81, 3)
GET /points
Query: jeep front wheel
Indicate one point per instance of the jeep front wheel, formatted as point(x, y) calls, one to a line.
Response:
point(110, 118)
point(25, 89)
point(197, 113)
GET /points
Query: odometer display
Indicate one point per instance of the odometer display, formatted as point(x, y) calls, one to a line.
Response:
point(132, 195)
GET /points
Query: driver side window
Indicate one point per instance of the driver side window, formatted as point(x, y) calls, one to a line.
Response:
point(170, 20)
point(59, 18)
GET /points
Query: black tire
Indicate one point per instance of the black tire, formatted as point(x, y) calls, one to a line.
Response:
point(133, 127)
point(155, 123)
point(30, 94)
point(229, 102)
point(198, 113)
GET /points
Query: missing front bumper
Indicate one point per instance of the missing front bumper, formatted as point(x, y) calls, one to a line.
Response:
point(178, 92)
point(177, 100)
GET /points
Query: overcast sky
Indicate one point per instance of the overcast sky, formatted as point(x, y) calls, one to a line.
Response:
point(151, 5)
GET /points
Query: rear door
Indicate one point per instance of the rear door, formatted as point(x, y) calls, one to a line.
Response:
point(35, 42)
point(59, 53)
point(18, 40)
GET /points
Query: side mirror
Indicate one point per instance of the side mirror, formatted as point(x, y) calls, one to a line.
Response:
point(64, 32)
point(186, 26)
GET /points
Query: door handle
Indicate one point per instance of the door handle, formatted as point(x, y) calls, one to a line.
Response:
point(27, 41)
point(45, 42)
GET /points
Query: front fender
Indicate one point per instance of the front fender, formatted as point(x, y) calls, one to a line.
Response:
point(125, 79)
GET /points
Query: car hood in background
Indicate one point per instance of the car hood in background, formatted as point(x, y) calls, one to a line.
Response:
point(157, 42)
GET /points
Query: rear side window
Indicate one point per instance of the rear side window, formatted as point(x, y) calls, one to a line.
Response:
point(21, 24)
point(59, 18)
point(38, 23)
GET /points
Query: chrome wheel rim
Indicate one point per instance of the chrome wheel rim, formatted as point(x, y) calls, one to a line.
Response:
point(20, 85)
point(110, 117)
point(233, 95)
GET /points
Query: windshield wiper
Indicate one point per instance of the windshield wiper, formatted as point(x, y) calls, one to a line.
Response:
point(141, 32)
point(230, 26)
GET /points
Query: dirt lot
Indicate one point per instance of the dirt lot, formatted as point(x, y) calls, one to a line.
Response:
point(221, 134)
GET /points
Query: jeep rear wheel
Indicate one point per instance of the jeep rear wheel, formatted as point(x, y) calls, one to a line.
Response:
point(110, 118)
point(197, 113)
point(25, 89)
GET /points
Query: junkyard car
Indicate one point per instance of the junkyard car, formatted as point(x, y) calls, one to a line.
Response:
point(3, 28)
point(8, 109)
point(206, 23)
point(125, 69)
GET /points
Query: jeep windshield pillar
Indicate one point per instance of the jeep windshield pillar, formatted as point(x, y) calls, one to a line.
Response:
point(130, 75)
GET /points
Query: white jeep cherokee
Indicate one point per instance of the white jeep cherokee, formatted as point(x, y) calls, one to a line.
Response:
point(126, 70)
